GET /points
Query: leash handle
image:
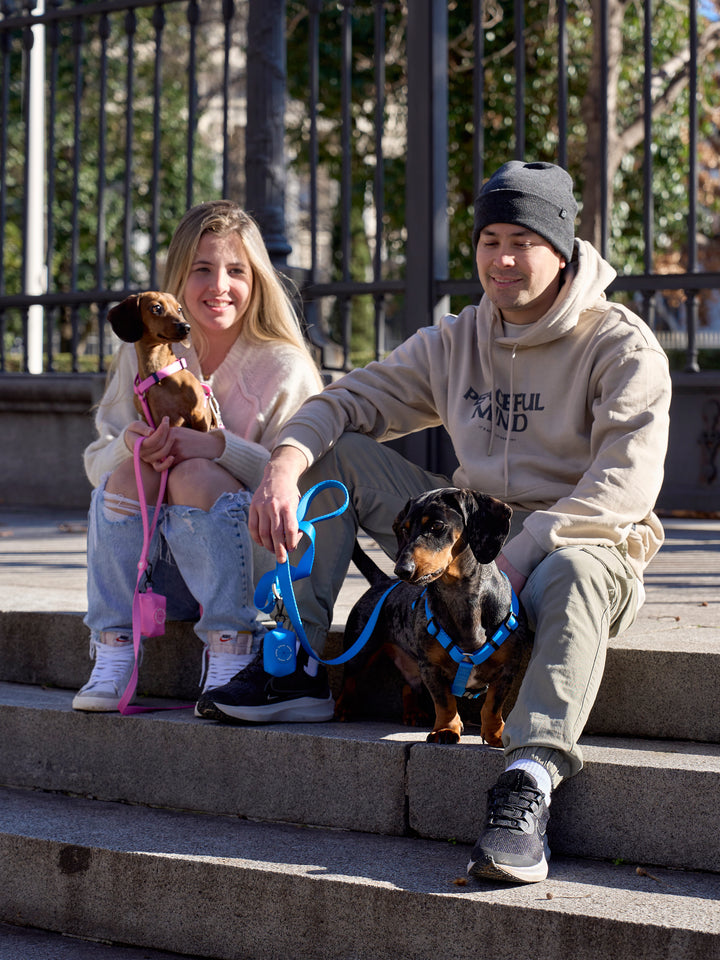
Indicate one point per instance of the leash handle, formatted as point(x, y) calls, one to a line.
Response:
point(284, 574)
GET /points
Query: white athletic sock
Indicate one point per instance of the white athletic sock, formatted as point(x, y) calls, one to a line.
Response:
point(311, 667)
point(538, 771)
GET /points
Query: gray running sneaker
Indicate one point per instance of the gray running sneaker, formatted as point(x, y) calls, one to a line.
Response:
point(513, 845)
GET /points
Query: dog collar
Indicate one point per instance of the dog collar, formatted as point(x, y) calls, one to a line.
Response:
point(466, 661)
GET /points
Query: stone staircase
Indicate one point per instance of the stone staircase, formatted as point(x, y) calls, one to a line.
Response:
point(350, 841)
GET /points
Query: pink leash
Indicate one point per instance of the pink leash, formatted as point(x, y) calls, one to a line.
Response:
point(148, 611)
point(155, 605)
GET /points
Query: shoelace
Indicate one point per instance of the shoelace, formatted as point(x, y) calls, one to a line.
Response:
point(111, 668)
point(509, 807)
point(218, 668)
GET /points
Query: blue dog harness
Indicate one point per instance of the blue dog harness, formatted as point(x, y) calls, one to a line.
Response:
point(466, 661)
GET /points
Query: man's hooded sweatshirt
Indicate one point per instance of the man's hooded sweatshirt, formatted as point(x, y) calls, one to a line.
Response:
point(566, 417)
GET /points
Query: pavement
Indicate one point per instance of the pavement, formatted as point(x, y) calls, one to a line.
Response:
point(43, 568)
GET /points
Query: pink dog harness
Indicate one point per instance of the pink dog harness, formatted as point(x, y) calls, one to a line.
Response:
point(141, 388)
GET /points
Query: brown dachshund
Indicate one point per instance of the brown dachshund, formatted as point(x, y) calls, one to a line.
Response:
point(449, 589)
point(152, 321)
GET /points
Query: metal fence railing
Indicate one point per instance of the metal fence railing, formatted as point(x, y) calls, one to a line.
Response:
point(358, 132)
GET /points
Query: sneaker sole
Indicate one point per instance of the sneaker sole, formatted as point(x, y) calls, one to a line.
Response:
point(486, 869)
point(302, 710)
point(95, 704)
point(208, 711)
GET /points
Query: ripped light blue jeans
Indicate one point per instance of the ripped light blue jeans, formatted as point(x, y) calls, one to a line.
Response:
point(201, 561)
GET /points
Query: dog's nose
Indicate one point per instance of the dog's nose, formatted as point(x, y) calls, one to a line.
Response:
point(405, 568)
point(183, 327)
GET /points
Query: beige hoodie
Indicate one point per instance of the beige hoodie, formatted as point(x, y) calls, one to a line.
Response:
point(568, 418)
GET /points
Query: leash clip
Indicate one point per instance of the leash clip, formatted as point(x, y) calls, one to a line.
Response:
point(279, 613)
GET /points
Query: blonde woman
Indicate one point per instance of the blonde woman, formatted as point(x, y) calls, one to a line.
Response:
point(247, 345)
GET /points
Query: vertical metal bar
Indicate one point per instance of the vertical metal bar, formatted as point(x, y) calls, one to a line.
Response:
point(158, 25)
point(478, 98)
point(314, 71)
point(426, 204)
point(27, 42)
point(77, 38)
point(53, 41)
point(648, 204)
point(130, 27)
point(104, 34)
point(426, 177)
point(193, 17)
point(5, 48)
point(379, 179)
point(604, 73)
point(228, 10)
point(562, 84)
point(265, 131)
point(519, 80)
point(346, 176)
point(691, 362)
point(439, 150)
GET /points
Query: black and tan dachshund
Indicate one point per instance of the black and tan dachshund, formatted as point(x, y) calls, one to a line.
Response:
point(447, 543)
point(152, 321)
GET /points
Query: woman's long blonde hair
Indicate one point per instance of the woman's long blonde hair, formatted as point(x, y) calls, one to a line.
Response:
point(269, 314)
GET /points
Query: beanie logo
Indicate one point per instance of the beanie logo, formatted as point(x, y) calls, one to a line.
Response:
point(511, 412)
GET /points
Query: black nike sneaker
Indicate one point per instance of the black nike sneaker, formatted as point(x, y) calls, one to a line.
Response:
point(513, 845)
point(254, 696)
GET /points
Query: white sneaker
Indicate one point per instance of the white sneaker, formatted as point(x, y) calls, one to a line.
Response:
point(114, 664)
point(226, 653)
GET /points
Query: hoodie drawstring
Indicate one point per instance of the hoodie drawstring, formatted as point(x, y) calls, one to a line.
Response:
point(506, 463)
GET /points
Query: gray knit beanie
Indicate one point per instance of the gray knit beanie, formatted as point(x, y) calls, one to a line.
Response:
point(538, 196)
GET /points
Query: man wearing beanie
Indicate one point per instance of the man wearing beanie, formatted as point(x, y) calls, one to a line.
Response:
point(556, 401)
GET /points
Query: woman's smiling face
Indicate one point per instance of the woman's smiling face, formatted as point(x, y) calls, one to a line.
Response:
point(219, 286)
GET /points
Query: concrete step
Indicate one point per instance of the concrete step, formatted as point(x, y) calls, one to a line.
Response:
point(224, 887)
point(29, 943)
point(637, 800)
point(658, 682)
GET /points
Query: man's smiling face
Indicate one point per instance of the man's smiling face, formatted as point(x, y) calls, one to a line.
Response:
point(519, 271)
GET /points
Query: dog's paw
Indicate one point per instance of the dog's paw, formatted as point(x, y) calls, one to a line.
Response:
point(443, 736)
point(493, 738)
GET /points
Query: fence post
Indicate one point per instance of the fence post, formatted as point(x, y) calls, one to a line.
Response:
point(264, 138)
point(425, 189)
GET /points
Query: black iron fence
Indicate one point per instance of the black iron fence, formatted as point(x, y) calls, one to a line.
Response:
point(358, 134)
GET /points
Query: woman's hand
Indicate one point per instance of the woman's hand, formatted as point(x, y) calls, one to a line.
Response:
point(272, 520)
point(167, 446)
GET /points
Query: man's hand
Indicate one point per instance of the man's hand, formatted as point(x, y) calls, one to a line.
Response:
point(272, 520)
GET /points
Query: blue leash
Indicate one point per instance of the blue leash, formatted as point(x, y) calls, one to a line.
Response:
point(278, 585)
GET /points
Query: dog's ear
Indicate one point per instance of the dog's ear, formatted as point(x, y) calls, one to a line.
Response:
point(400, 518)
point(126, 319)
point(487, 524)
